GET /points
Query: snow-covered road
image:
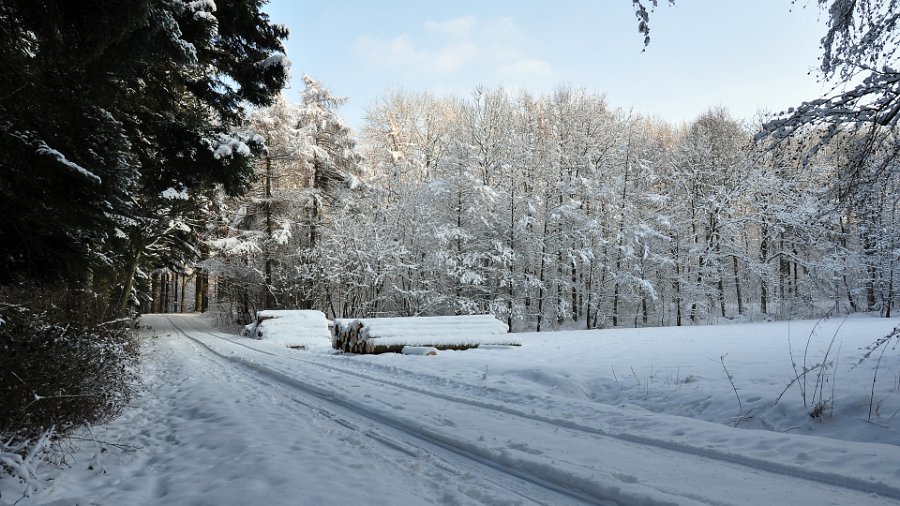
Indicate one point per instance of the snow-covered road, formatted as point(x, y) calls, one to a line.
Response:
point(402, 464)
point(229, 420)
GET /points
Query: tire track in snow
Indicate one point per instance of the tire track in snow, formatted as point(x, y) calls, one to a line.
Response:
point(456, 469)
point(532, 488)
point(767, 466)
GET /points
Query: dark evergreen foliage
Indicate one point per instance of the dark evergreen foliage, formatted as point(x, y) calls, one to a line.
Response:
point(103, 105)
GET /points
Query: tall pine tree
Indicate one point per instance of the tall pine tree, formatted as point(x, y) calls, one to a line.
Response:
point(105, 110)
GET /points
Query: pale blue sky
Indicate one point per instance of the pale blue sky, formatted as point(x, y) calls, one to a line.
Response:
point(746, 55)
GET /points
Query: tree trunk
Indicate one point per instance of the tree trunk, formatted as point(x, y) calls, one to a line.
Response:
point(199, 291)
point(165, 292)
point(128, 286)
point(459, 225)
point(678, 302)
point(269, 299)
point(695, 317)
point(720, 286)
point(784, 275)
point(511, 290)
point(615, 308)
point(763, 285)
point(889, 296)
point(588, 310)
point(175, 278)
point(540, 297)
point(559, 289)
point(737, 285)
point(155, 292)
point(575, 305)
point(850, 300)
point(713, 241)
point(183, 286)
point(621, 238)
point(540, 308)
point(676, 282)
point(890, 293)
point(696, 236)
point(871, 303)
point(197, 296)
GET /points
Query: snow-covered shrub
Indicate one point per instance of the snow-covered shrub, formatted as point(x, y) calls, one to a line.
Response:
point(57, 373)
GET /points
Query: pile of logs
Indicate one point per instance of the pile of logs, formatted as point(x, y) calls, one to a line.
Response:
point(300, 329)
point(391, 335)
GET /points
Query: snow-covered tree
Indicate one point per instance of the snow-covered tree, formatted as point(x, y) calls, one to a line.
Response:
point(102, 114)
point(711, 161)
point(269, 244)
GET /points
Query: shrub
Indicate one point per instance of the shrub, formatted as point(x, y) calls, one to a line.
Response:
point(57, 371)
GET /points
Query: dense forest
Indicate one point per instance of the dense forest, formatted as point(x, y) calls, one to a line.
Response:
point(552, 211)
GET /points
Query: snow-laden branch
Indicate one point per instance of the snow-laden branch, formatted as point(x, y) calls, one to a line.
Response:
point(45, 150)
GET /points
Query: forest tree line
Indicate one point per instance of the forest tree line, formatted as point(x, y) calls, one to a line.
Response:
point(553, 211)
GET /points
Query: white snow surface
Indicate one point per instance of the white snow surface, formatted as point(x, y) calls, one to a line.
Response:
point(466, 330)
point(638, 416)
point(304, 328)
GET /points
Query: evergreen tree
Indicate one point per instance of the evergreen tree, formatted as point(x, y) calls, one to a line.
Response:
point(103, 109)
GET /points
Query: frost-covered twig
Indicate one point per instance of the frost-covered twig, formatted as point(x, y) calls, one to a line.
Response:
point(837, 360)
point(731, 380)
point(874, 380)
point(881, 341)
point(19, 460)
point(121, 446)
point(62, 396)
point(796, 379)
point(821, 378)
point(800, 378)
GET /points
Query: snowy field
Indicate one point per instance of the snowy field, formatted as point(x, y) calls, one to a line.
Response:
point(636, 416)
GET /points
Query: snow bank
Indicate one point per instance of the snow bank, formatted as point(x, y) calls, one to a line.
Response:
point(379, 335)
point(306, 329)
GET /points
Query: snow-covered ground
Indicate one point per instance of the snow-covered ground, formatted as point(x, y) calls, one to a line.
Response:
point(638, 416)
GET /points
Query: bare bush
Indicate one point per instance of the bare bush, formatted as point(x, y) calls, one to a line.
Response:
point(58, 371)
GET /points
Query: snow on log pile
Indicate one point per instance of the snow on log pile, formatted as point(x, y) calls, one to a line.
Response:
point(383, 335)
point(302, 329)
